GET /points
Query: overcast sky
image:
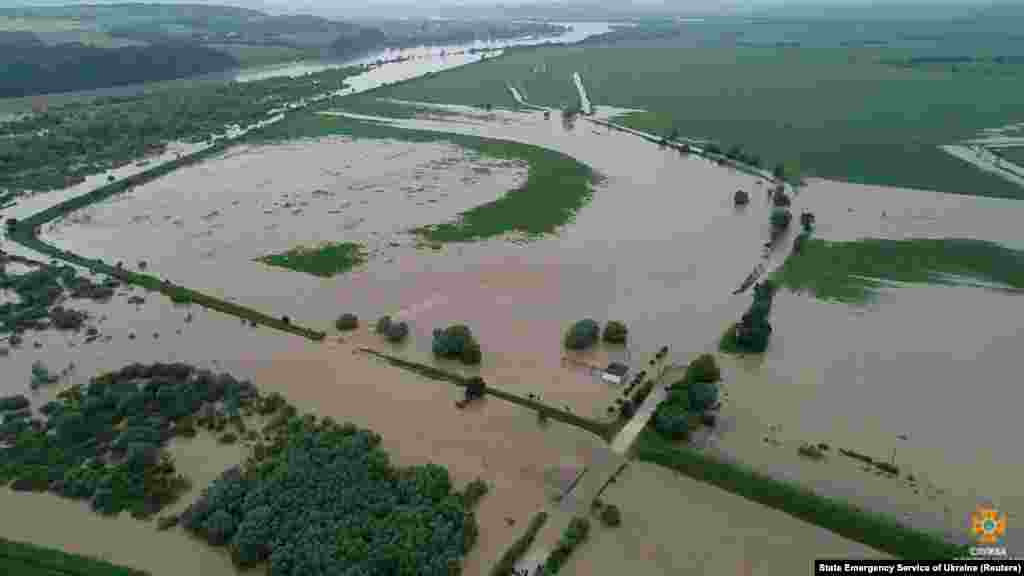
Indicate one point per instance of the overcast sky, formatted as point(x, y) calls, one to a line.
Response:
point(422, 8)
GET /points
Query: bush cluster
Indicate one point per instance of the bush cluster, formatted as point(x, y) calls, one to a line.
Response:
point(575, 534)
point(103, 441)
point(457, 342)
point(324, 499)
point(751, 334)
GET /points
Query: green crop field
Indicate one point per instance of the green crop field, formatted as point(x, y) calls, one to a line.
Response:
point(18, 559)
point(845, 113)
point(853, 272)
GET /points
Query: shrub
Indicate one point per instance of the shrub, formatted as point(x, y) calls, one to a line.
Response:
point(475, 388)
point(610, 515)
point(347, 321)
point(229, 438)
point(780, 218)
point(670, 420)
point(397, 332)
point(807, 221)
point(17, 402)
point(811, 451)
point(471, 354)
point(582, 334)
point(219, 528)
point(574, 535)
point(474, 491)
point(615, 332)
point(457, 341)
point(704, 368)
point(383, 324)
point(702, 395)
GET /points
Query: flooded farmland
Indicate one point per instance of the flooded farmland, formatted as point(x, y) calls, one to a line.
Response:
point(660, 247)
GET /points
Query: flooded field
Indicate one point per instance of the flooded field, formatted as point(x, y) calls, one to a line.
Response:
point(499, 442)
point(154, 330)
point(672, 524)
point(660, 246)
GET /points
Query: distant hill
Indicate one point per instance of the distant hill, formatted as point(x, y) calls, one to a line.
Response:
point(66, 48)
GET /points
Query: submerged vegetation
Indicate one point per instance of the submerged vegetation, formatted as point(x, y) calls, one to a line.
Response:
point(853, 272)
point(103, 442)
point(556, 187)
point(323, 498)
point(879, 532)
point(22, 559)
point(327, 260)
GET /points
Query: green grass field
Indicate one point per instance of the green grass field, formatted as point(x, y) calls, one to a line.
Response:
point(555, 189)
point(853, 272)
point(19, 559)
point(839, 113)
point(324, 261)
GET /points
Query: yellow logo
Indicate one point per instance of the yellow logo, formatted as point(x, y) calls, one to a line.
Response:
point(988, 525)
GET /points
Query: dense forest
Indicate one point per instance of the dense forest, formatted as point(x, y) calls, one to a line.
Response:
point(68, 67)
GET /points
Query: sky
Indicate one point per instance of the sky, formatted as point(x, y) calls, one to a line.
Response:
point(422, 8)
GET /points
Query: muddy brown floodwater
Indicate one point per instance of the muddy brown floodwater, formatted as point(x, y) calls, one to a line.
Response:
point(660, 247)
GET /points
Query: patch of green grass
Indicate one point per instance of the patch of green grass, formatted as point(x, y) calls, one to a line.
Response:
point(21, 559)
point(325, 261)
point(853, 272)
point(841, 113)
point(879, 532)
point(556, 188)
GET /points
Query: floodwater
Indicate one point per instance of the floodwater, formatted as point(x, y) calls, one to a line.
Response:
point(672, 524)
point(421, 60)
point(923, 375)
point(661, 246)
point(420, 56)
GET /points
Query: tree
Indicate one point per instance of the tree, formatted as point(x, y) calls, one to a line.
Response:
point(780, 218)
point(779, 171)
point(383, 324)
point(741, 198)
point(702, 395)
point(615, 332)
point(582, 334)
point(703, 369)
point(397, 332)
point(347, 321)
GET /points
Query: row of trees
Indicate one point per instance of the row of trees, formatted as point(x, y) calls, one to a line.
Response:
point(585, 333)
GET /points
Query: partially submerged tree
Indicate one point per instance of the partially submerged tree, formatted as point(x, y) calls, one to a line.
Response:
point(347, 321)
point(615, 332)
point(582, 334)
